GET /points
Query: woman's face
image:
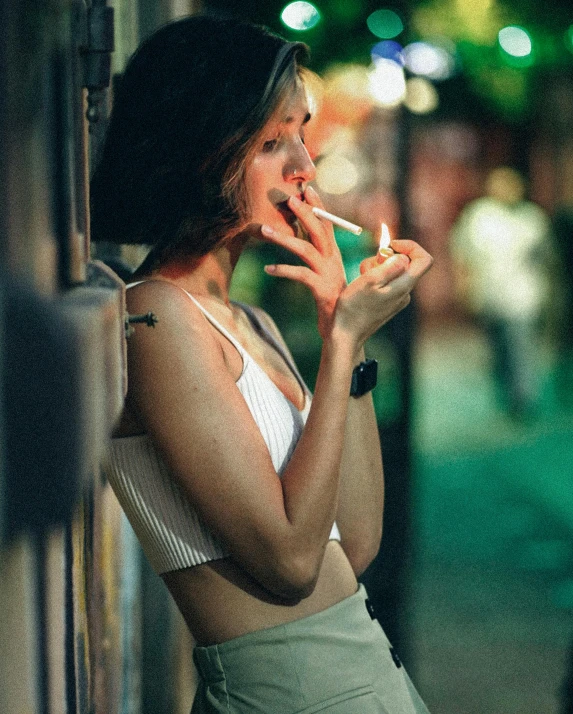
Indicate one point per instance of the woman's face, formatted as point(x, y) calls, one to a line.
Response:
point(281, 166)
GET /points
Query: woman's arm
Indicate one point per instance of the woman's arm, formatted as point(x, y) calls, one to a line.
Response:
point(361, 489)
point(361, 486)
point(361, 499)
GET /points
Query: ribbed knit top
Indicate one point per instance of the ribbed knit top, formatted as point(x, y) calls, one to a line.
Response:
point(171, 533)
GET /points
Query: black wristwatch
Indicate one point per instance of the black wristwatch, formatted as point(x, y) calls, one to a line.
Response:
point(364, 377)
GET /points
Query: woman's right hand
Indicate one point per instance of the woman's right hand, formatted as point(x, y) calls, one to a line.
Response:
point(381, 291)
point(362, 307)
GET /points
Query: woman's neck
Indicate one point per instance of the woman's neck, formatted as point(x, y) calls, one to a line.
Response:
point(210, 275)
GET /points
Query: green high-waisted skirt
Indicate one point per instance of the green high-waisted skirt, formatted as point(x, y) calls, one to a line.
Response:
point(337, 661)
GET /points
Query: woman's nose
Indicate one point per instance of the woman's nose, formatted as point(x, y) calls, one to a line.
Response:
point(300, 167)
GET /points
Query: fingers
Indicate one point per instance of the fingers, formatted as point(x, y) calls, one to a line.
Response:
point(397, 275)
point(294, 272)
point(413, 259)
point(420, 260)
point(301, 248)
point(367, 264)
point(396, 265)
point(312, 197)
point(303, 211)
point(320, 232)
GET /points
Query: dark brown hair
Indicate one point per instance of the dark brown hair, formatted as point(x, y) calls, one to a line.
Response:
point(193, 99)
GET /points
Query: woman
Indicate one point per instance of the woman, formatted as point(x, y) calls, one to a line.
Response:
point(257, 504)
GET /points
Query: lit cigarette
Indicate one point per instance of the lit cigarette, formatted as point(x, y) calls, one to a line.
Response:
point(352, 227)
point(384, 250)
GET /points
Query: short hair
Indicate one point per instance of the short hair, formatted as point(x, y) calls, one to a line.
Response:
point(191, 103)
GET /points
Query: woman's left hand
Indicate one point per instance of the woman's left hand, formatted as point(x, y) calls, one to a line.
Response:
point(324, 272)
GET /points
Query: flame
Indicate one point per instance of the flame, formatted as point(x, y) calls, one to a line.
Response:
point(384, 237)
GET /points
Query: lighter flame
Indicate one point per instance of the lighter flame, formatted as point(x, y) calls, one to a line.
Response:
point(384, 237)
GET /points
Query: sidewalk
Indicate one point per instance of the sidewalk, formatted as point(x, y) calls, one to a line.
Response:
point(493, 588)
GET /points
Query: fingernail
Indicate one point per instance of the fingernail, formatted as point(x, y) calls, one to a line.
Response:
point(295, 201)
point(311, 191)
point(268, 231)
point(270, 268)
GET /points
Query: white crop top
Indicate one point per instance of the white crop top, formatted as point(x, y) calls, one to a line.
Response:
point(170, 532)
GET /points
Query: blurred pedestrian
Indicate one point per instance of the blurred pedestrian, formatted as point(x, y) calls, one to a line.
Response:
point(502, 250)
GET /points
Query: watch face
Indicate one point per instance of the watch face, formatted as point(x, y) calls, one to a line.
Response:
point(369, 375)
point(364, 378)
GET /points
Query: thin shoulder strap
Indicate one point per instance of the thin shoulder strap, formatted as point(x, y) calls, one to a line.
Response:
point(217, 325)
point(267, 335)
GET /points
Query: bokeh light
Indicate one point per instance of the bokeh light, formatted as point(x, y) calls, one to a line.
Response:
point(385, 24)
point(300, 16)
point(387, 83)
point(515, 41)
point(387, 49)
point(429, 60)
point(336, 174)
point(347, 97)
point(477, 22)
point(421, 96)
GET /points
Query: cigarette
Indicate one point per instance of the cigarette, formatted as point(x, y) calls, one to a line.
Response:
point(352, 227)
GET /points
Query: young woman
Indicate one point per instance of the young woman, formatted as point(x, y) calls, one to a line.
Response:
point(257, 502)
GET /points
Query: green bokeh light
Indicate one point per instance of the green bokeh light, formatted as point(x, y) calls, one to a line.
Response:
point(385, 24)
point(300, 16)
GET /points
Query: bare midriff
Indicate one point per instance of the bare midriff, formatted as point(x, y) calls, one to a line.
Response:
point(219, 601)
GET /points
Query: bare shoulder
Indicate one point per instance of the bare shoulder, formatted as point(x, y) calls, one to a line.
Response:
point(159, 296)
point(179, 355)
point(156, 295)
point(177, 315)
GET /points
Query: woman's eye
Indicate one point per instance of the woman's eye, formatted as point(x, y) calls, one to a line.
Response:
point(270, 145)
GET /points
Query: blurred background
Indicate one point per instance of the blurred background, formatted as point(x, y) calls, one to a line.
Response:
point(450, 122)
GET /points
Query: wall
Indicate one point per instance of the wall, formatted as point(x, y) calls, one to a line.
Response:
point(77, 620)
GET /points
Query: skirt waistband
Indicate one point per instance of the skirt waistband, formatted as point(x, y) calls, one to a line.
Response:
point(336, 660)
point(348, 613)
